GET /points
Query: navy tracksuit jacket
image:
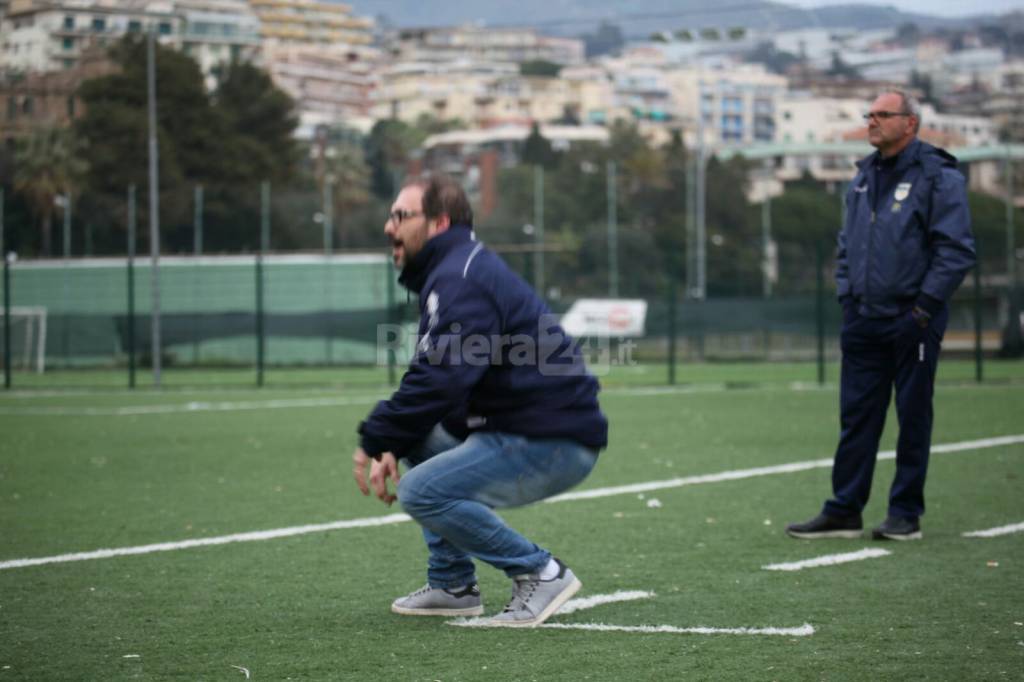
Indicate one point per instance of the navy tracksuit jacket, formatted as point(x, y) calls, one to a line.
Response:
point(491, 356)
point(906, 242)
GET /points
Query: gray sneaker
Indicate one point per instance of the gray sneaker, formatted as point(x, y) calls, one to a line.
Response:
point(435, 601)
point(535, 600)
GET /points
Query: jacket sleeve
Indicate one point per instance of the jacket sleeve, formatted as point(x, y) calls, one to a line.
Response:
point(949, 236)
point(842, 265)
point(451, 358)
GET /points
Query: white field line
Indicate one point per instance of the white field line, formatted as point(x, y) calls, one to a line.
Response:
point(286, 403)
point(570, 606)
point(768, 471)
point(583, 603)
point(398, 518)
point(193, 406)
point(829, 560)
point(276, 404)
point(205, 542)
point(993, 532)
point(804, 630)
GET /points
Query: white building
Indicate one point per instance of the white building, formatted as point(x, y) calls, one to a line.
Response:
point(480, 43)
point(215, 32)
point(40, 35)
point(330, 86)
point(311, 22)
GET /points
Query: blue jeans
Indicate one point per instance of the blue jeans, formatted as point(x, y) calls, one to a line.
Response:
point(453, 487)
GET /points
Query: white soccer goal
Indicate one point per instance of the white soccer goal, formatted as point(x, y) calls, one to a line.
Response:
point(28, 337)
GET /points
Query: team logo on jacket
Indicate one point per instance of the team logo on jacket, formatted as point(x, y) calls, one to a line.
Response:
point(902, 191)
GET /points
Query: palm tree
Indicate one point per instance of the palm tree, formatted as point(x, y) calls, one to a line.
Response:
point(47, 164)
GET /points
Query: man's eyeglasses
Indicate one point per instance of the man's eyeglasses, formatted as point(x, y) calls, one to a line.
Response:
point(882, 115)
point(399, 215)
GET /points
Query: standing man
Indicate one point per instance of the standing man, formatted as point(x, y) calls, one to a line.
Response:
point(904, 249)
point(497, 409)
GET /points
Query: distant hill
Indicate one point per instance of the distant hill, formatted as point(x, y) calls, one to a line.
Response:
point(640, 17)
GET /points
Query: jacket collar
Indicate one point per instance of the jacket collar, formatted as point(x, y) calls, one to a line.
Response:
point(414, 274)
point(907, 156)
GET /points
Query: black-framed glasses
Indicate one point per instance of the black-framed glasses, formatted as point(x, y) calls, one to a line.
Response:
point(397, 216)
point(882, 115)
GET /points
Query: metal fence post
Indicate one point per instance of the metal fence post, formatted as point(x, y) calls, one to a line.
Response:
point(7, 297)
point(264, 244)
point(131, 286)
point(672, 284)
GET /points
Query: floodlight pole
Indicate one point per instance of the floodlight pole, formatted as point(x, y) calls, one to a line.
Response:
point(613, 233)
point(701, 198)
point(538, 235)
point(154, 206)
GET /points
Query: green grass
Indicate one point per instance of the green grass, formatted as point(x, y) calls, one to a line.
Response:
point(315, 606)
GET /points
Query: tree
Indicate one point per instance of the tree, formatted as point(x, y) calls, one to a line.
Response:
point(540, 67)
point(48, 164)
point(537, 149)
point(350, 190)
point(387, 151)
point(774, 60)
point(840, 69)
point(262, 122)
point(228, 142)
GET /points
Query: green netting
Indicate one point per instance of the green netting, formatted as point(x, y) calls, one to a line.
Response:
point(316, 309)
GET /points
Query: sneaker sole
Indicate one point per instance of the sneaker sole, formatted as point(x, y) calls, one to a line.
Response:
point(893, 536)
point(469, 611)
point(556, 603)
point(853, 534)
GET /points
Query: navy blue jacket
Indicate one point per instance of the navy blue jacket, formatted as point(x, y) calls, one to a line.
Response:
point(489, 351)
point(907, 235)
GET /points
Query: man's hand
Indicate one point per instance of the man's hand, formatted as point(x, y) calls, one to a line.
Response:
point(380, 471)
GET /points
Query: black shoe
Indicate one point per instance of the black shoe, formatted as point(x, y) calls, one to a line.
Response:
point(898, 528)
point(822, 526)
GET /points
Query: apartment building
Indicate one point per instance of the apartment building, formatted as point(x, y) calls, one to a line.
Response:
point(311, 22)
point(330, 85)
point(481, 43)
point(44, 35)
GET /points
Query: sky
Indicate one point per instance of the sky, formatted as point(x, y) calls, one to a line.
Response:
point(944, 8)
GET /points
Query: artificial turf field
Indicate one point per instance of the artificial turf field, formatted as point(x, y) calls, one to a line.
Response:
point(102, 468)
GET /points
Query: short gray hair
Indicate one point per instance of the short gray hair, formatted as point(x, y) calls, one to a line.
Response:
point(910, 105)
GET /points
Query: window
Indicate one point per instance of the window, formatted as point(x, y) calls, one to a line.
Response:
point(69, 23)
point(69, 43)
point(732, 127)
point(165, 28)
point(134, 26)
point(99, 25)
point(26, 106)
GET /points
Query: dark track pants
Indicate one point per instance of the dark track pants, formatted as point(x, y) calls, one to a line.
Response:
point(878, 353)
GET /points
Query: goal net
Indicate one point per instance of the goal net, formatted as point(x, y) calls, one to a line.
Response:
point(27, 337)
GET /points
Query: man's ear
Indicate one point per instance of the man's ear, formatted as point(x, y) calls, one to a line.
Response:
point(441, 223)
